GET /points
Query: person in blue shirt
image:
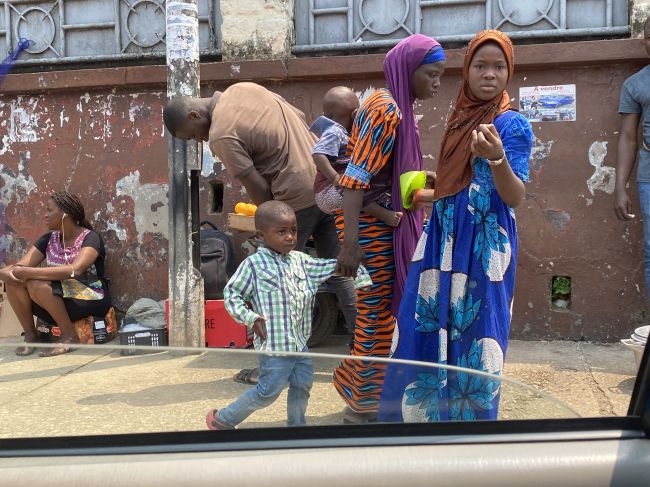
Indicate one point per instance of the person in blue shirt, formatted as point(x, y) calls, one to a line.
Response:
point(634, 108)
point(457, 302)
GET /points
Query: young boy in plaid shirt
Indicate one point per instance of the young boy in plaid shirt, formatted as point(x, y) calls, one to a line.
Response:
point(280, 284)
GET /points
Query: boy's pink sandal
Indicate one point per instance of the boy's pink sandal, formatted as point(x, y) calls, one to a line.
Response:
point(214, 424)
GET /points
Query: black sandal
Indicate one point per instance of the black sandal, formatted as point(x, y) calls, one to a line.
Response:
point(246, 376)
point(350, 416)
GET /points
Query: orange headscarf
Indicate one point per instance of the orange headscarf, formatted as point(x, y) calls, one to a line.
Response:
point(455, 161)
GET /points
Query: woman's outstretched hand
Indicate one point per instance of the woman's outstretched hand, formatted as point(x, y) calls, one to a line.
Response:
point(350, 256)
point(486, 142)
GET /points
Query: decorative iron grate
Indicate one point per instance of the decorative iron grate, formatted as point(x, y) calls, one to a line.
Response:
point(359, 24)
point(95, 30)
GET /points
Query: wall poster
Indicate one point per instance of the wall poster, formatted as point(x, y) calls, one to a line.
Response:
point(555, 103)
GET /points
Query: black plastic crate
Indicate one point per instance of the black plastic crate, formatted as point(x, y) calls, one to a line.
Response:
point(146, 338)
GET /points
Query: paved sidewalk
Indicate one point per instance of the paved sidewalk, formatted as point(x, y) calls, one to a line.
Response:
point(93, 391)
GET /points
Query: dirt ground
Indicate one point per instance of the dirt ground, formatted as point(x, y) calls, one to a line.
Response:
point(98, 391)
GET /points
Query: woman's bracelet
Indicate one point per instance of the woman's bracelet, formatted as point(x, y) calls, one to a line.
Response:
point(497, 162)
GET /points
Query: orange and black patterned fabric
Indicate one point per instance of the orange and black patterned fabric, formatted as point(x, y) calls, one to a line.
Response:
point(360, 383)
point(372, 139)
point(371, 147)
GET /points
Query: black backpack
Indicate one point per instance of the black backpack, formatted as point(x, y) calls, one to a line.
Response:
point(217, 260)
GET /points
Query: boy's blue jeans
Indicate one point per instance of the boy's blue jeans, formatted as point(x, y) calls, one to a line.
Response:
point(275, 373)
point(644, 200)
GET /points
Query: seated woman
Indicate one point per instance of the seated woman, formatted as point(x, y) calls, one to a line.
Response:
point(72, 285)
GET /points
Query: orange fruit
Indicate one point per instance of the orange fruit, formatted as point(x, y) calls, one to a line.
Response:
point(251, 209)
point(241, 208)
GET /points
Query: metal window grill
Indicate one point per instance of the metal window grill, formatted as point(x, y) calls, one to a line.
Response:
point(323, 25)
point(64, 31)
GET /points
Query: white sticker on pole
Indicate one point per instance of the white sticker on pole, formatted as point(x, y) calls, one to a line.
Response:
point(182, 31)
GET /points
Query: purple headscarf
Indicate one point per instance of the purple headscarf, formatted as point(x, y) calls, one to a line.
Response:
point(399, 65)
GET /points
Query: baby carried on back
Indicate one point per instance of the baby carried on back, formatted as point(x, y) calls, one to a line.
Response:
point(331, 157)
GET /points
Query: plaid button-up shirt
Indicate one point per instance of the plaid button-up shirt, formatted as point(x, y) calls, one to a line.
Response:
point(280, 288)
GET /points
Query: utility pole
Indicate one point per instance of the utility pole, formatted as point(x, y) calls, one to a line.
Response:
point(186, 297)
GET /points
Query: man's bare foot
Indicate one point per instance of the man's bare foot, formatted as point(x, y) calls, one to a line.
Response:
point(61, 348)
point(24, 350)
point(28, 347)
point(58, 350)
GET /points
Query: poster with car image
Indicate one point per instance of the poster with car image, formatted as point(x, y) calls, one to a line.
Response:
point(555, 103)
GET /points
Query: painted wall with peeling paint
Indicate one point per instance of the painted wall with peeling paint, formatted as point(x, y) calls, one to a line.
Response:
point(567, 224)
point(109, 147)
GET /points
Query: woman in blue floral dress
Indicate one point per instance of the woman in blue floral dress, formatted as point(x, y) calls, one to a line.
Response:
point(457, 304)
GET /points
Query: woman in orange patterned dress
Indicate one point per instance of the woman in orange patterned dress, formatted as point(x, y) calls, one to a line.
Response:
point(384, 143)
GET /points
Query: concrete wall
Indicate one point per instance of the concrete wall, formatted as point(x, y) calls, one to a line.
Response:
point(263, 29)
point(256, 29)
point(99, 133)
point(639, 11)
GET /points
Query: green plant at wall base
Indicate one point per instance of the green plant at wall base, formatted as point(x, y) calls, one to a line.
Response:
point(561, 286)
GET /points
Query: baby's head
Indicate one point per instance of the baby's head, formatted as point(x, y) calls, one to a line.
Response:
point(276, 226)
point(341, 104)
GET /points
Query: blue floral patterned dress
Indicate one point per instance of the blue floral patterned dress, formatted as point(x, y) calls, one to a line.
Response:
point(457, 303)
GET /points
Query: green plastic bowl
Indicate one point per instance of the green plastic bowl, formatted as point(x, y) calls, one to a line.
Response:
point(409, 182)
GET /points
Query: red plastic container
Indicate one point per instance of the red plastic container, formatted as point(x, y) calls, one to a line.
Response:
point(221, 331)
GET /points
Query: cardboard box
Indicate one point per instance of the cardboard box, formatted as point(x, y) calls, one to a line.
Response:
point(9, 324)
point(242, 223)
